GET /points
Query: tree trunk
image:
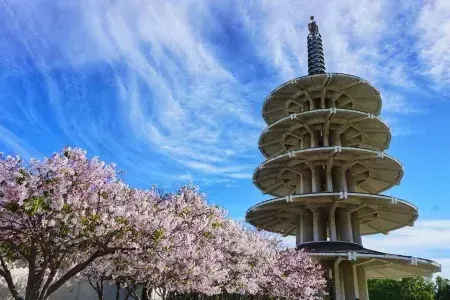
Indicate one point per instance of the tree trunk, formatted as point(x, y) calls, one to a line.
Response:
point(144, 294)
point(6, 274)
point(117, 290)
point(98, 288)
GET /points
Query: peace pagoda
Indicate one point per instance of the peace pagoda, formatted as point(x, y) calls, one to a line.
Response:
point(326, 169)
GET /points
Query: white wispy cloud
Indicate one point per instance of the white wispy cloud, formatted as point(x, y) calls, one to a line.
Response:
point(433, 34)
point(178, 90)
point(178, 98)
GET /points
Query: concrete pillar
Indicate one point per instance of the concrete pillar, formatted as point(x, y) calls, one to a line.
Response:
point(302, 144)
point(341, 283)
point(307, 142)
point(299, 188)
point(308, 229)
point(337, 286)
point(351, 187)
point(362, 283)
point(332, 222)
point(356, 228)
point(299, 232)
point(314, 138)
point(318, 181)
point(343, 224)
point(326, 134)
point(329, 177)
point(314, 223)
point(307, 182)
point(321, 225)
point(336, 138)
point(338, 180)
point(349, 280)
point(314, 180)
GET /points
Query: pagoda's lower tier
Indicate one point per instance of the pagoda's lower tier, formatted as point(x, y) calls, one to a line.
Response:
point(349, 265)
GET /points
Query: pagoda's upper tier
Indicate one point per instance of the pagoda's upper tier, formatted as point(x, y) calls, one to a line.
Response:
point(323, 128)
point(330, 90)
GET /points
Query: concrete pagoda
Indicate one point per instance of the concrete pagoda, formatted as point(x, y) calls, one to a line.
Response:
point(326, 167)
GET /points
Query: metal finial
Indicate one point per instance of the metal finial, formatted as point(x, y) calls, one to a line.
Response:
point(313, 28)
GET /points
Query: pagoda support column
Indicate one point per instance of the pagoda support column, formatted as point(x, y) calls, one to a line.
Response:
point(329, 175)
point(315, 222)
point(362, 283)
point(318, 180)
point(307, 181)
point(356, 228)
point(344, 227)
point(299, 231)
point(321, 225)
point(338, 179)
point(308, 227)
point(332, 219)
point(350, 281)
point(337, 291)
point(350, 182)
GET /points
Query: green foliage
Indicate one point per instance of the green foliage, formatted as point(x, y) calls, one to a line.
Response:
point(411, 288)
point(207, 234)
point(33, 204)
point(89, 223)
point(7, 252)
point(122, 220)
point(442, 289)
point(30, 206)
point(11, 252)
point(216, 225)
point(157, 236)
point(184, 213)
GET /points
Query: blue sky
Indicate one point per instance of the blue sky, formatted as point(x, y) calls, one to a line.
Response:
point(172, 91)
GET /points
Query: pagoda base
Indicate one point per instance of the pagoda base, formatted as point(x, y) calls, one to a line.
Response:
point(349, 265)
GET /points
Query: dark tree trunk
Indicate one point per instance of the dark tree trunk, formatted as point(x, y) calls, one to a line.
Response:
point(144, 294)
point(117, 290)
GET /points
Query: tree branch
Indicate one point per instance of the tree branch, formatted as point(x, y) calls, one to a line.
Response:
point(31, 272)
point(75, 270)
point(5, 273)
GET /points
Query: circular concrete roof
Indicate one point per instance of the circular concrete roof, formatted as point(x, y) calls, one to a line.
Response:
point(358, 129)
point(330, 90)
point(373, 171)
point(376, 264)
point(376, 213)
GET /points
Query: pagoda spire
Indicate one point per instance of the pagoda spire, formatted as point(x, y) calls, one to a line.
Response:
point(316, 60)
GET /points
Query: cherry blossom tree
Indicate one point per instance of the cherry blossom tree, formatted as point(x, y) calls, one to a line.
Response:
point(206, 253)
point(60, 214)
point(294, 275)
point(170, 257)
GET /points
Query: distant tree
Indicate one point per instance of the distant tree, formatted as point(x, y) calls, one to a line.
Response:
point(383, 289)
point(442, 289)
point(411, 288)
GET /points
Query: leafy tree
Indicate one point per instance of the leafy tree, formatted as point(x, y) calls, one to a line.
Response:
point(411, 288)
point(442, 289)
